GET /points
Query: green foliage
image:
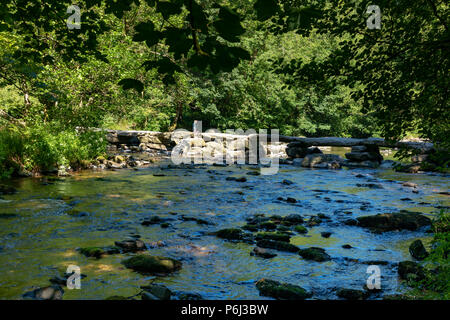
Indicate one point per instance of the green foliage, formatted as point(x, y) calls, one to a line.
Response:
point(43, 148)
point(11, 152)
point(436, 284)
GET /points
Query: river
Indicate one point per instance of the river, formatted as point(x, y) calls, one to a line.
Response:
point(39, 237)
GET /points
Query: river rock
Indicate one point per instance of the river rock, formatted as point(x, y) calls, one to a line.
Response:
point(53, 292)
point(293, 219)
point(410, 184)
point(410, 269)
point(240, 179)
point(153, 220)
point(301, 229)
point(364, 153)
point(315, 254)
point(299, 150)
point(326, 234)
point(152, 264)
point(403, 220)
point(417, 250)
point(263, 253)
point(351, 294)
point(230, 234)
point(277, 245)
point(321, 160)
point(131, 245)
point(280, 290)
point(278, 236)
point(157, 291)
point(188, 296)
point(95, 252)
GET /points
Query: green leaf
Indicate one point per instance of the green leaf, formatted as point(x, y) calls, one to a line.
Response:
point(145, 31)
point(199, 17)
point(129, 83)
point(167, 8)
point(178, 41)
point(265, 9)
point(229, 25)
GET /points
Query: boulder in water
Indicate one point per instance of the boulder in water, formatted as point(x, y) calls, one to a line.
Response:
point(403, 220)
point(315, 254)
point(280, 290)
point(152, 264)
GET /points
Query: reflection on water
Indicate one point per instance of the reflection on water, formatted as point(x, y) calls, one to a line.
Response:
point(48, 221)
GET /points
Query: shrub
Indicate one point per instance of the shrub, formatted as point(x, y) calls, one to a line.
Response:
point(45, 147)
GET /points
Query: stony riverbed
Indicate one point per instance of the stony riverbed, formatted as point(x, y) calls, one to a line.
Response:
point(48, 219)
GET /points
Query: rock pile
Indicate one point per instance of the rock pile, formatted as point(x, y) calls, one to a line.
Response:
point(364, 155)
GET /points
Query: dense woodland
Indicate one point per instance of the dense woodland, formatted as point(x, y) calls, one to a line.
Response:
point(310, 68)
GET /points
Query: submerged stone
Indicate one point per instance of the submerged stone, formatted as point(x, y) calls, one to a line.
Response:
point(278, 236)
point(230, 234)
point(156, 290)
point(315, 254)
point(152, 264)
point(131, 245)
point(95, 252)
point(351, 294)
point(301, 229)
point(280, 290)
point(53, 292)
point(263, 253)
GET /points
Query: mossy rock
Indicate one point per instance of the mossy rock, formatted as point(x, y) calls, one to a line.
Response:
point(250, 227)
point(268, 225)
point(277, 245)
point(230, 234)
point(301, 229)
point(278, 236)
point(403, 220)
point(293, 219)
point(119, 159)
point(152, 264)
point(283, 228)
point(283, 291)
point(417, 250)
point(315, 254)
point(351, 294)
point(95, 252)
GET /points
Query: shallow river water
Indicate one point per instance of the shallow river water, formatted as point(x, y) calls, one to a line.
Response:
point(40, 239)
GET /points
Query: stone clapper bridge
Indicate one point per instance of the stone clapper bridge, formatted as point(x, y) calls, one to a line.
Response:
point(300, 151)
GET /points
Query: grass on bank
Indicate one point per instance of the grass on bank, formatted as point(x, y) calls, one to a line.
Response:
point(46, 147)
point(436, 283)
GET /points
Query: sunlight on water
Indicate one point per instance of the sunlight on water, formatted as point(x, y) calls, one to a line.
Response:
point(42, 225)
